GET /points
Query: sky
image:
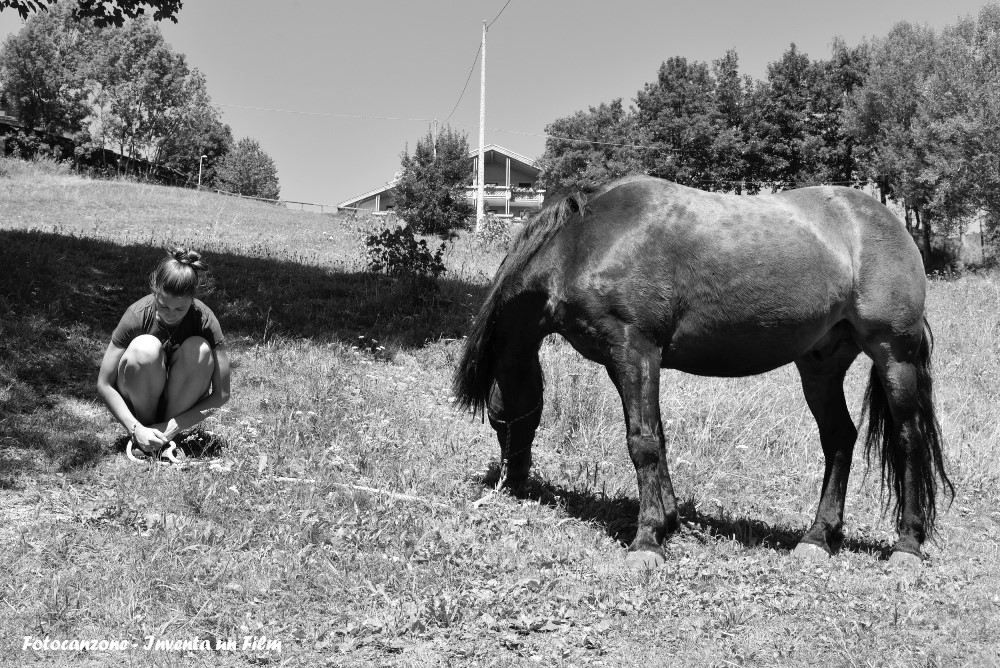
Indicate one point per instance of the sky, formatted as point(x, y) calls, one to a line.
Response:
point(335, 90)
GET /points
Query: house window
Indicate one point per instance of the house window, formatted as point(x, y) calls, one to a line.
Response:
point(523, 184)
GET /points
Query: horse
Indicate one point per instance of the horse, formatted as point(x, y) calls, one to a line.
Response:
point(644, 274)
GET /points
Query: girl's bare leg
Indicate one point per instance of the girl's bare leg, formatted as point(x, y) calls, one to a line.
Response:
point(191, 368)
point(142, 375)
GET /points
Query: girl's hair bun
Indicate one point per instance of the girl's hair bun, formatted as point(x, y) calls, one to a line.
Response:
point(188, 258)
point(180, 274)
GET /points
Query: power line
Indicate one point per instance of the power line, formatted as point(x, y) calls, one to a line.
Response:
point(321, 113)
point(474, 61)
point(467, 79)
point(497, 16)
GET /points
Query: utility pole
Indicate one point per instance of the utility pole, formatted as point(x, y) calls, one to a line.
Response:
point(435, 138)
point(480, 196)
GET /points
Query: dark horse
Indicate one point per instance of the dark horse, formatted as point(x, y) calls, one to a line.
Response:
point(646, 274)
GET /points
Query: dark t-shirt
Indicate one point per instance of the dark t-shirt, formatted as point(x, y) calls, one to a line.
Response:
point(140, 318)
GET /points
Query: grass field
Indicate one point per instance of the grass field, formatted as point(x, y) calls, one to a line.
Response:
point(348, 515)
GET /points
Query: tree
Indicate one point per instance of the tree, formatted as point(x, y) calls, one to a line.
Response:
point(41, 73)
point(103, 12)
point(680, 115)
point(882, 115)
point(590, 148)
point(199, 131)
point(795, 131)
point(146, 103)
point(248, 170)
point(138, 89)
point(431, 191)
point(730, 145)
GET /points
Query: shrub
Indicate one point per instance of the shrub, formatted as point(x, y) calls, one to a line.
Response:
point(399, 253)
point(494, 233)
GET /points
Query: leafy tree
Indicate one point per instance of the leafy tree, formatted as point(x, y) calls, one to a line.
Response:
point(103, 12)
point(192, 128)
point(733, 169)
point(41, 73)
point(138, 88)
point(248, 170)
point(796, 122)
point(882, 115)
point(882, 111)
point(590, 148)
point(146, 103)
point(680, 114)
point(430, 194)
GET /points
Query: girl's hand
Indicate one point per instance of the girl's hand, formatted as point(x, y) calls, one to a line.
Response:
point(149, 439)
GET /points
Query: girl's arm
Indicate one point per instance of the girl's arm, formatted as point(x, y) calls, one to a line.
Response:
point(146, 438)
point(207, 406)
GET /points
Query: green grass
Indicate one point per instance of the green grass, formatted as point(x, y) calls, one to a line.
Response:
point(341, 386)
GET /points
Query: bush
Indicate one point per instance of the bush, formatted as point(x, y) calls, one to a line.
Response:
point(399, 253)
point(494, 233)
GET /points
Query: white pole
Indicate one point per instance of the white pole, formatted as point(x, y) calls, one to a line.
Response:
point(199, 170)
point(480, 196)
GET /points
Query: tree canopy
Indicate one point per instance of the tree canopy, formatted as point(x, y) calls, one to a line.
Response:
point(248, 170)
point(430, 193)
point(118, 88)
point(103, 13)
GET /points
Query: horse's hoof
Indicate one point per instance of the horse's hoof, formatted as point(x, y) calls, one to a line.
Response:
point(644, 560)
point(906, 560)
point(810, 552)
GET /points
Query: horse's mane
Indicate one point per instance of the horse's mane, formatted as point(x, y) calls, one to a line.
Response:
point(547, 222)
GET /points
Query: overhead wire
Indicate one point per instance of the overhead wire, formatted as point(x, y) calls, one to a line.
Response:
point(467, 80)
point(497, 16)
point(475, 60)
point(323, 113)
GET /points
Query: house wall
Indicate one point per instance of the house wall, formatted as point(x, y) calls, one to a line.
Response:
point(385, 201)
point(496, 172)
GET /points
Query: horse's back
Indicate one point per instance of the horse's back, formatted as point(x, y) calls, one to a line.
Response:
point(727, 285)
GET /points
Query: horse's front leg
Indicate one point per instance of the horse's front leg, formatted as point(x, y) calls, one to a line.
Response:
point(635, 371)
point(515, 410)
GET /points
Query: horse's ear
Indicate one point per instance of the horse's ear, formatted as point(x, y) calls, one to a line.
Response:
point(577, 203)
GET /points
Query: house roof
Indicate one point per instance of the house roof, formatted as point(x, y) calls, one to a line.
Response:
point(488, 150)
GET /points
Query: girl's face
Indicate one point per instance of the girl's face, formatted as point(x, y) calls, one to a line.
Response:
point(170, 310)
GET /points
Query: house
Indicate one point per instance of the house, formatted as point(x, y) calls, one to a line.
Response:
point(511, 182)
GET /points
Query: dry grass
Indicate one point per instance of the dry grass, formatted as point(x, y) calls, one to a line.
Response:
point(276, 537)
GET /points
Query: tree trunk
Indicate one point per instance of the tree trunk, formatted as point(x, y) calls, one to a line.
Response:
point(926, 226)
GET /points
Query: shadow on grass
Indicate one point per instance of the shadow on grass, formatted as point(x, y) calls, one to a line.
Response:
point(61, 296)
point(617, 516)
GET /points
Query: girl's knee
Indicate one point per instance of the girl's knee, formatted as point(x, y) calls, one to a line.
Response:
point(144, 350)
point(194, 351)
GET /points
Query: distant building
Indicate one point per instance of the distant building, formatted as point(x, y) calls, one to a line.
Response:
point(511, 186)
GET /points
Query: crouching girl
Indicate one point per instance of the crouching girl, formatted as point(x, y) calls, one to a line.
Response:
point(166, 368)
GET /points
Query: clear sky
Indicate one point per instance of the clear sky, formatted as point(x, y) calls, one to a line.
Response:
point(406, 59)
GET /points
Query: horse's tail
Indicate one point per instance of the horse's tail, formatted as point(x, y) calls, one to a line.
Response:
point(474, 376)
point(884, 437)
point(475, 373)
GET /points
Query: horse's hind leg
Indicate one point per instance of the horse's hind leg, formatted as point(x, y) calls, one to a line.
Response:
point(822, 372)
point(514, 410)
point(904, 429)
point(635, 370)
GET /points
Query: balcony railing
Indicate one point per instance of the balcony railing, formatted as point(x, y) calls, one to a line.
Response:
point(512, 193)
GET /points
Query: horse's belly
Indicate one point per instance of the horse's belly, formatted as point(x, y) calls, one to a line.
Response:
point(740, 351)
